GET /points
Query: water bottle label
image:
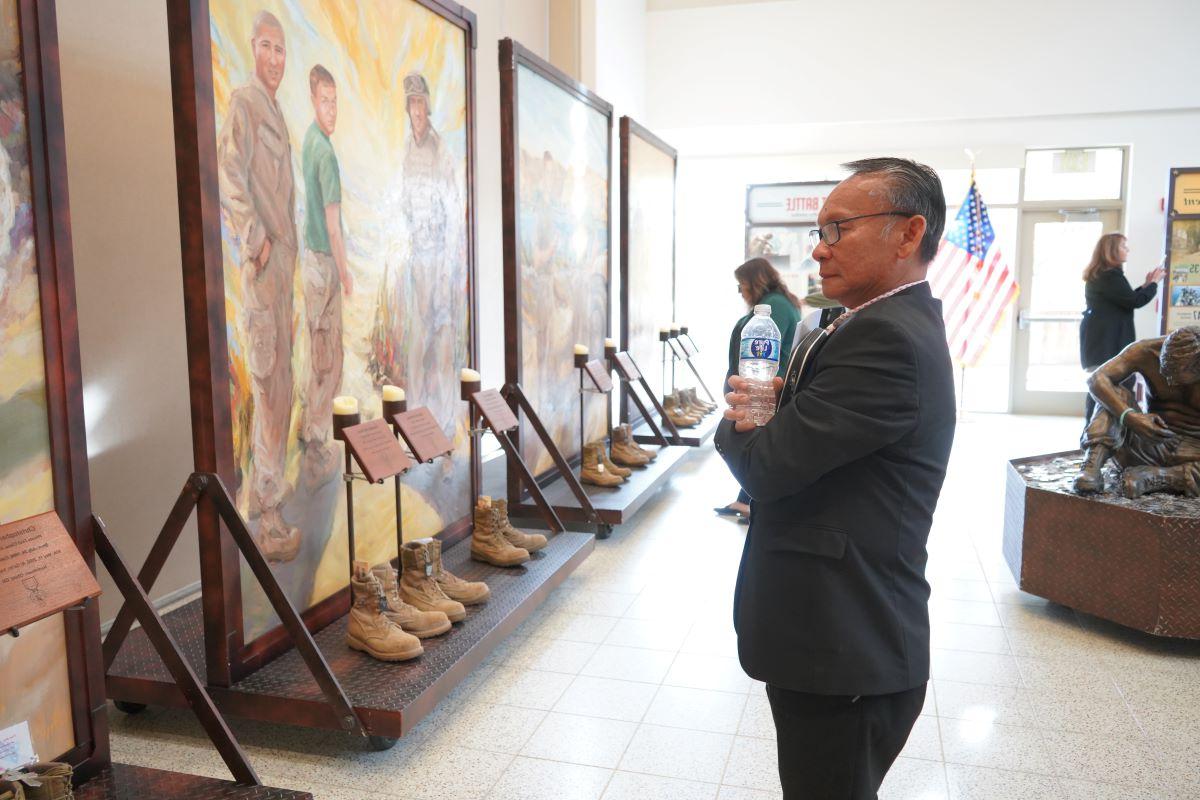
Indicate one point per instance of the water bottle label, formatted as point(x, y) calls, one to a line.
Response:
point(764, 348)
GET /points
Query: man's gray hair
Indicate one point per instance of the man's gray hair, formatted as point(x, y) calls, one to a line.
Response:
point(265, 19)
point(914, 189)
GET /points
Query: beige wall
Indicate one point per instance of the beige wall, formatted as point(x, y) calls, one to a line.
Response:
point(124, 214)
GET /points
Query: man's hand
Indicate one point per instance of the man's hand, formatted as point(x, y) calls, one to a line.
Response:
point(264, 255)
point(1150, 425)
point(738, 402)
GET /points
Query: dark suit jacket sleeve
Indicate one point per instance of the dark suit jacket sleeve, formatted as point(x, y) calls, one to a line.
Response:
point(863, 397)
point(1114, 287)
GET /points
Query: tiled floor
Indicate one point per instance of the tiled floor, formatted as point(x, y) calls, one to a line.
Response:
point(625, 685)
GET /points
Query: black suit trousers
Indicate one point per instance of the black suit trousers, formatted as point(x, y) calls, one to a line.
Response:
point(835, 747)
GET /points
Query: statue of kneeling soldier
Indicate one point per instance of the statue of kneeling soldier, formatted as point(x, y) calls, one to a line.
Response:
point(1159, 449)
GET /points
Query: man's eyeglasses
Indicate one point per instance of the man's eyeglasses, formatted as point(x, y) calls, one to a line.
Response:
point(830, 233)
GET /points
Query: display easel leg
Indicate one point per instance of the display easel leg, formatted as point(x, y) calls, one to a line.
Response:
point(637, 400)
point(399, 518)
point(514, 391)
point(658, 406)
point(198, 699)
point(349, 479)
point(535, 491)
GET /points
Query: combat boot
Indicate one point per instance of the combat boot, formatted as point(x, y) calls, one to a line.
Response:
point(469, 593)
point(621, 472)
point(691, 404)
point(278, 541)
point(1091, 474)
point(702, 402)
point(517, 538)
point(421, 624)
point(627, 435)
point(675, 413)
point(623, 450)
point(11, 790)
point(1138, 481)
point(592, 469)
point(488, 543)
point(418, 587)
point(368, 629)
point(55, 780)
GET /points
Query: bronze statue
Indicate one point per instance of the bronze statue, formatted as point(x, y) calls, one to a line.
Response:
point(1159, 449)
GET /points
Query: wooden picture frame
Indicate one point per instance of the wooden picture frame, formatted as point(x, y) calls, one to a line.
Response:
point(1182, 233)
point(639, 330)
point(513, 59)
point(231, 650)
point(51, 234)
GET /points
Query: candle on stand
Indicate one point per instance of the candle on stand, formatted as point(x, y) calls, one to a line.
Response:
point(610, 347)
point(581, 354)
point(345, 415)
point(393, 403)
point(664, 334)
point(610, 342)
point(393, 394)
point(470, 382)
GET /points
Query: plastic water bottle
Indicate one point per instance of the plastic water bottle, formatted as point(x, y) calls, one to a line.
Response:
point(759, 363)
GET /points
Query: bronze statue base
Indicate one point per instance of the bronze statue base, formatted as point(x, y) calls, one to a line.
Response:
point(1132, 561)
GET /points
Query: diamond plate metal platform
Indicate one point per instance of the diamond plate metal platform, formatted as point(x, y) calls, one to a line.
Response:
point(124, 782)
point(390, 698)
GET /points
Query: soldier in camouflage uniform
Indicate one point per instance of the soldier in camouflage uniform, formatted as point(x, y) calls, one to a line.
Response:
point(254, 156)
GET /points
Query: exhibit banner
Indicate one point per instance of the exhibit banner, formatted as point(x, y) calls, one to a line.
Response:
point(1182, 287)
point(52, 677)
point(786, 203)
point(780, 219)
point(326, 155)
point(556, 147)
point(648, 169)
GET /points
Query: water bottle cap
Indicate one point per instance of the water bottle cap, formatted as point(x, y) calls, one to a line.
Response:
point(763, 308)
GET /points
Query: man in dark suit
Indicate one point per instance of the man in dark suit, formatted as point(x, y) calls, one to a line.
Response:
point(831, 605)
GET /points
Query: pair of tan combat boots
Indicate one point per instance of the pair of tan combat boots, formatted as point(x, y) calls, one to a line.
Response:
point(393, 612)
point(495, 541)
point(685, 409)
point(600, 468)
point(50, 780)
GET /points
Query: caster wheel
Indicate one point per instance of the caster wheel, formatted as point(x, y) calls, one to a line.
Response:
point(381, 743)
point(126, 707)
point(603, 530)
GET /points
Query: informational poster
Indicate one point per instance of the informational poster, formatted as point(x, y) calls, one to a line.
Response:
point(1183, 251)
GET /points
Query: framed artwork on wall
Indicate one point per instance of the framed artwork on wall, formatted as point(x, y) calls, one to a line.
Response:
point(648, 169)
point(1182, 291)
point(53, 673)
point(555, 156)
point(325, 157)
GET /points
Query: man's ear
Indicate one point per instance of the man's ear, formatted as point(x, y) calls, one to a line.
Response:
point(912, 233)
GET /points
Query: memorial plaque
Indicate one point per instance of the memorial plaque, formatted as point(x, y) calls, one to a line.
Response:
point(495, 410)
point(677, 348)
point(423, 434)
point(600, 378)
point(41, 571)
point(632, 373)
point(376, 450)
point(688, 346)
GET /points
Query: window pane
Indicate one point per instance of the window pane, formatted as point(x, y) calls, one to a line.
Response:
point(1060, 252)
point(1085, 174)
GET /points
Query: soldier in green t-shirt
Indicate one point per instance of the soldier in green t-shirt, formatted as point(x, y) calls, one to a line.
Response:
point(325, 273)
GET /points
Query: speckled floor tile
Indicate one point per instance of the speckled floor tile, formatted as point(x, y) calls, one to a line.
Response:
point(573, 627)
point(983, 744)
point(590, 741)
point(967, 667)
point(717, 673)
point(913, 779)
point(649, 634)
point(1102, 758)
point(696, 709)
point(607, 698)
point(924, 740)
point(534, 779)
point(633, 786)
point(973, 638)
point(499, 729)
point(753, 764)
point(980, 783)
point(628, 664)
point(551, 655)
point(678, 753)
point(740, 793)
point(979, 702)
point(526, 688)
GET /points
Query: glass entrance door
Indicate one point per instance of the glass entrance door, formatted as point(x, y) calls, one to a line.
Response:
point(1055, 248)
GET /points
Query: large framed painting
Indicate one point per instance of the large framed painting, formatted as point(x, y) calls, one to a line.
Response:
point(1182, 305)
point(648, 167)
point(555, 156)
point(325, 156)
point(52, 675)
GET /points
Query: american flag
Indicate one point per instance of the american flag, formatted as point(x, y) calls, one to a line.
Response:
point(973, 279)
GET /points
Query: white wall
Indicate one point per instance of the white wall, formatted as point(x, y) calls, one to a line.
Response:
point(777, 91)
point(125, 226)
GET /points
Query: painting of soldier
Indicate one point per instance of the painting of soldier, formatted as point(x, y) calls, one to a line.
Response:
point(563, 258)
point(342, 169)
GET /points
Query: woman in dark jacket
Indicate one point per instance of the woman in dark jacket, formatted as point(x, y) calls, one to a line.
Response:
point(1107, 325)
point(759, 282)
